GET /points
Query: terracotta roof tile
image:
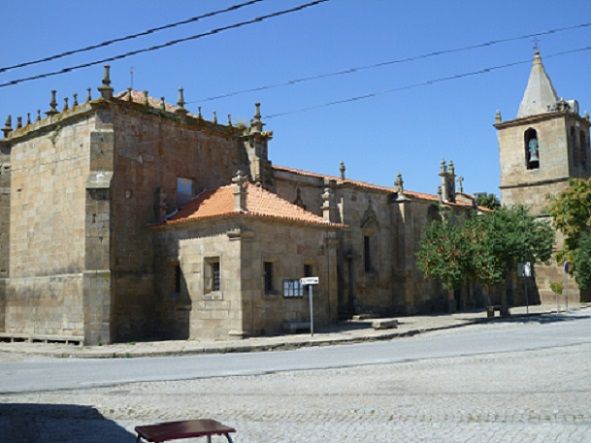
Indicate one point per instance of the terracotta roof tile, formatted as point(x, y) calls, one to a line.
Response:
point(361, 184)
point(219, 202)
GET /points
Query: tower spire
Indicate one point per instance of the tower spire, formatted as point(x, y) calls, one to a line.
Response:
point(539, 94)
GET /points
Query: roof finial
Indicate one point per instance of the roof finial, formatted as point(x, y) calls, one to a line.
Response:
point(74, 100)
point(129, 95)
point(199, 115)
point(239, 191)
point(439, 194)
point(28, 118)
point(52, 104)
point(342, 170)
point(19, 122)
point(105, 89)
point(88, 94)
point(230, 120)
point(498, 117)
point(66, 107)
point(38, 115)
point(461, 184)
point(443, 167)
point(452, 168)
point(181, 103)
point(214, 120)
point(399, 184)
point(162, 104)
point(146, 98)
point(7, 129)
point(256, 124)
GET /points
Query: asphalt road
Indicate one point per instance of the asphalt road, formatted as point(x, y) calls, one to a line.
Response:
point(551, 331)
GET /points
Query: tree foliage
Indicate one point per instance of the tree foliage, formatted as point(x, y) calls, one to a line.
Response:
point(571, 212)
point(582, 262)
point(443, 254)
point(486, 247)
point(488, 200)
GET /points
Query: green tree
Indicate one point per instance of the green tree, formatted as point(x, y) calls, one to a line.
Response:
point(485, 247)
point(582, 261)
point(571, 212)
point(488, 200)
point(443, 253)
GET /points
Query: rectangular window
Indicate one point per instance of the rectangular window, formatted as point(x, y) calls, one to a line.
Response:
point(292, 288)
point(212, 274)
point(268, 270)
point(185, 191)
point(308, 271)
point(367, 253)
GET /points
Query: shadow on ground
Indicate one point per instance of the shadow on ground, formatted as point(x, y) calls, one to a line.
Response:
point(49, 423)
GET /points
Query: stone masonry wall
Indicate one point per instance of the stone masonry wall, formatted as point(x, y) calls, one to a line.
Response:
point(194, 312)
point(4, 225)
point(47, 230)
point(288, 247)
point(152, 150)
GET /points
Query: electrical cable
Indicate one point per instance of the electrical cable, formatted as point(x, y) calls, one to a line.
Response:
point(420, 84)
point(164, 45)
point(130, 36)
point(356, 69)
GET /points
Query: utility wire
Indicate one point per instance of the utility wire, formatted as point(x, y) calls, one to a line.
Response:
point(420, 84)
point(130, 36)
point(356, 69)
point(164, 45)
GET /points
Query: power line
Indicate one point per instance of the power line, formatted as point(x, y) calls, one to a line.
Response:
point(130, 36)
point(164, 45)
point(356, 69)
point(420, 84)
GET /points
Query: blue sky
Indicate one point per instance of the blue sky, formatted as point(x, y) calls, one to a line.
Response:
point(409, 131)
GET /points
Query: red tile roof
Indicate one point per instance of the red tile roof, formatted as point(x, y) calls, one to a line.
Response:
point(261, 203)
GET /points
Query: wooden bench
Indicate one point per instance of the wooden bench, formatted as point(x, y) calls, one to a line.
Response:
point(175, 430)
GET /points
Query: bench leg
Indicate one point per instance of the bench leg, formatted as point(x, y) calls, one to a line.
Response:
point(209, 439)
point(228, 438)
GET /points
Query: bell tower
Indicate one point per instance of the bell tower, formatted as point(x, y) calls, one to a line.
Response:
point(545, 145)
point(540, 150)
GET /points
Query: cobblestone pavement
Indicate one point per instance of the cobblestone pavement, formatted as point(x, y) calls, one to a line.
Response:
point(535, 396)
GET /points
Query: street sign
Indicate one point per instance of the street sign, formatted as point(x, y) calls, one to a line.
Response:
point(309, 281)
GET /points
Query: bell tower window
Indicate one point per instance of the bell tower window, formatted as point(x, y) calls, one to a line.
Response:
point(532, 149)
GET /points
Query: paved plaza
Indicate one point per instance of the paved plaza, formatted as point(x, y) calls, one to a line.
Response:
point(535, 395)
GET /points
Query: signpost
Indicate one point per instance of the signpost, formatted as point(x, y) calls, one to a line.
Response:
point(566, 270)
point(524, 270)
point(310, 282)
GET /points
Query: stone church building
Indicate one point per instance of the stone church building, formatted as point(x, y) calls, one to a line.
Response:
point(123, 217)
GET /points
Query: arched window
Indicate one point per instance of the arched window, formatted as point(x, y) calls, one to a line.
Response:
point(532, 149)
point(583, 149)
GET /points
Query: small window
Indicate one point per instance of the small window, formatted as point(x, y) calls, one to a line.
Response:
point(292, 288)
point(367, 253)
point(212, 274)
point(532, 149)
point(268, 270)
point(185, 191)
point(177, 279)
point(308, 270)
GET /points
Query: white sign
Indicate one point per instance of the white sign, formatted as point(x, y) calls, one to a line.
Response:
point(309, 281)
